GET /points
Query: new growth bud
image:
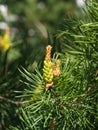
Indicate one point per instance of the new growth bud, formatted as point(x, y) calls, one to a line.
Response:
point(50, 70)
point(5, 40)
point(48, 53)
point(56, 71)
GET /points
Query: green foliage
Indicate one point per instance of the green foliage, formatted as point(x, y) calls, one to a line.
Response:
point(72, 101)
point(17, 55)
point(26, 50)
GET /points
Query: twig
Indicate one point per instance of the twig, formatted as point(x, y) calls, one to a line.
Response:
point(41, 27)
point(11, 101)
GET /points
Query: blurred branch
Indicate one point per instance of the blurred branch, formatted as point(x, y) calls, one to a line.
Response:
point(41, 27)
point(11, 101)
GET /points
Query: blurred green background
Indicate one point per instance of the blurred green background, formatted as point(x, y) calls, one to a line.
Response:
point(33, 25)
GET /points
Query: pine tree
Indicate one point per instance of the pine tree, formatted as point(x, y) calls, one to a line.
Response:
point(21, 50)
point(64, 95)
